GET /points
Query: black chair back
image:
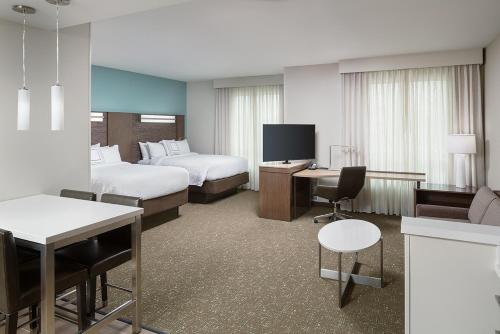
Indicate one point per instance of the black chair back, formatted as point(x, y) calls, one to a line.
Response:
point(76, 194)
point(9, 280)
point(121, 235)
point(351, 181)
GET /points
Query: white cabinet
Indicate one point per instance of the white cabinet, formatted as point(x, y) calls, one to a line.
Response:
point(450, 277)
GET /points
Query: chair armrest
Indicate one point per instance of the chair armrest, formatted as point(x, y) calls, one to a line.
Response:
point(439, 211)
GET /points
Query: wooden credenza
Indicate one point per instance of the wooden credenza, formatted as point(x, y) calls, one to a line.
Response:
point(276, 193)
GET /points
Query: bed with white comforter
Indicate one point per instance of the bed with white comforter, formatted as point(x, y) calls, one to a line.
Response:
point(202, 167)
point(146, 182)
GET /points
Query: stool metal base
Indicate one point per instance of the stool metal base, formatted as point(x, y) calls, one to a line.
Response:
point(352, 277)
point(374, 282)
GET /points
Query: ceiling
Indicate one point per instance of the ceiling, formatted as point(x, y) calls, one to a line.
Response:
point(79, 11)
point(206, 39)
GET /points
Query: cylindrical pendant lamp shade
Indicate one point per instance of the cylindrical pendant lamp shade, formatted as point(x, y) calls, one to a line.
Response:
point(23, 109)
point(57, 102)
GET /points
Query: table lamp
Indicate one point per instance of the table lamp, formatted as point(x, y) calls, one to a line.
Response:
point(460, 145)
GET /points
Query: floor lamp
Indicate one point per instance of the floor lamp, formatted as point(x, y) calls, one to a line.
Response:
point(461, 145)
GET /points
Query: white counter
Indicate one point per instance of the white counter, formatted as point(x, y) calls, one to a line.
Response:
point(483, 234)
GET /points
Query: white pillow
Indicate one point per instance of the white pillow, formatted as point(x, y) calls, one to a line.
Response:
point(110, 154)
point(144, 151)
point(156, 150)
point(184, 146)
point(95, 145)
point(176, 147)
point(171, 147)
point(95, 155)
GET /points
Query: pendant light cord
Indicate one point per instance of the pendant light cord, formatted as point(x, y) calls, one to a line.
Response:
point(24, 50)
point(57, 42)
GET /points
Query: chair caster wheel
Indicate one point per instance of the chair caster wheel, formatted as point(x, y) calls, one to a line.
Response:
point(315, 221)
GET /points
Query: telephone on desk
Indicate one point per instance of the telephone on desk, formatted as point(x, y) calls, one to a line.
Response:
point(313, 166)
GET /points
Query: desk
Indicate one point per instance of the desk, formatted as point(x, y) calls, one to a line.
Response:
point(380, 175)
point(47, 223)
point(276, 189)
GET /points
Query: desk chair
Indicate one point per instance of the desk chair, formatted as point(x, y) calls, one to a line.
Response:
point(351, 181)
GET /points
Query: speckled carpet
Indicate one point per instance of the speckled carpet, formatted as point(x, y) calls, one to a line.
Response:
point(221, 269)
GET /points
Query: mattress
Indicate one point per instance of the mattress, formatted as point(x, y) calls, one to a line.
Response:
point(142, 181)
point(203, 167)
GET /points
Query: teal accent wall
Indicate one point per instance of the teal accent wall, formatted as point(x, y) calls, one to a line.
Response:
point(122, 91)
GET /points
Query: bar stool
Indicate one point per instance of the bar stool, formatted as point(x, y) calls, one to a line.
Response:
point(20, 284)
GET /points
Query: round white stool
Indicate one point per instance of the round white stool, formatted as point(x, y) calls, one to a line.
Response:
point(350, 236)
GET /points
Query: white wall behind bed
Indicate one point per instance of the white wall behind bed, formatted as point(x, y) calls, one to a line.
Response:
point(40, 160)
point(200, 118)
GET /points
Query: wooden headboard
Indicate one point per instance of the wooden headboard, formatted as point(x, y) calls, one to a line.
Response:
point(126, 130)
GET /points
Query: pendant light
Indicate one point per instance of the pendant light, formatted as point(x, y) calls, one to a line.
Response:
point(57, 91)
point(23, 94)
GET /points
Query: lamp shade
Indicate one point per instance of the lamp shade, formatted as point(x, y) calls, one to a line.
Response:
point(462, 144)
point(57, 103)
point(23, 109)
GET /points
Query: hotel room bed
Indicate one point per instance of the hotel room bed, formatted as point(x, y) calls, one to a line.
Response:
point(163, 189)
point(210, 176)
point(126, 130)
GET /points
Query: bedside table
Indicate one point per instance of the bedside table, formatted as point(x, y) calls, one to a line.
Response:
point(442, 194)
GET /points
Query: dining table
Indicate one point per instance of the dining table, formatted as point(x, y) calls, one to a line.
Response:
point(47, 223)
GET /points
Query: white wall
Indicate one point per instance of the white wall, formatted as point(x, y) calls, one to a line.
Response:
point(313, 96)
point(492, 113)
point(39, 160)
point(201, 116)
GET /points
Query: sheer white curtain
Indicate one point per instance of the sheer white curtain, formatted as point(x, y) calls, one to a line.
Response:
point(239, 116)
point(399, 121)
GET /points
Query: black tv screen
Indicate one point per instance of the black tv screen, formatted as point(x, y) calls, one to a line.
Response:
point(284, 142)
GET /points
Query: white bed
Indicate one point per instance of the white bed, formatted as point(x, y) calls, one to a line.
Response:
point(146, 182)
point(202, 167)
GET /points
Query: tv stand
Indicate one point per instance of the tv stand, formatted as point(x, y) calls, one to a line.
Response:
point(286, 162)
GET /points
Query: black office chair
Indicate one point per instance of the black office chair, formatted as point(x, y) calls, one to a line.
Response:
point(351, 182)
point(20, 284)
point(109, 250)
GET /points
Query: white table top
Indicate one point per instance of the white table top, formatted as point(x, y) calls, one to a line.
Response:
point(46, 219)
point(349, 235)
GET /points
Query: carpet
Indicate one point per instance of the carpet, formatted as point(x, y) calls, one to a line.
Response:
point(219, 268)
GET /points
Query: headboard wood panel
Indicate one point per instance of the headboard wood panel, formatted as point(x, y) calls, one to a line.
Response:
point(126, 130)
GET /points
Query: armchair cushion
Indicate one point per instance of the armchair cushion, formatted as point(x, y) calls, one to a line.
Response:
point(492, 215)
point(480, 204)
point(438, 211)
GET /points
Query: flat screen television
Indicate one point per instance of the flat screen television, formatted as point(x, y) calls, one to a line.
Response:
point(285, 142)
